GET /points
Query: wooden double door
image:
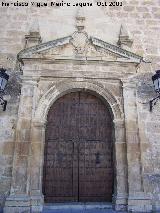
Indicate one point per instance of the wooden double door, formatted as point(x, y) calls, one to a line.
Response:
point(78, 163)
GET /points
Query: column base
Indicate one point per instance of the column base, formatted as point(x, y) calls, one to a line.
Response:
point(23, 204)
point(120, 202)
point(139, 203)
point(37, 203)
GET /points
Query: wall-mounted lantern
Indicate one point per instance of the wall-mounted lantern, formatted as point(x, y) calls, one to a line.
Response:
point(3, 82)
point(156, 82)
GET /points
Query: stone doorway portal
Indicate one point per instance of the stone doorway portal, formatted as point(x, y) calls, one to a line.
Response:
point(78, 158)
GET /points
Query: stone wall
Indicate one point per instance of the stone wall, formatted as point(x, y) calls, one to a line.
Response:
point(141, 18)
point(7, 133)
point(149, 133)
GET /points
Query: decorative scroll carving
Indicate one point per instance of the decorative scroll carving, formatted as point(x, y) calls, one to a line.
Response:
point(80, 41)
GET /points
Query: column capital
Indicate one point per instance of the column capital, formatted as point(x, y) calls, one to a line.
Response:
point(38, 123)
point(119, 122)
point(128, 83)
point(29, 80)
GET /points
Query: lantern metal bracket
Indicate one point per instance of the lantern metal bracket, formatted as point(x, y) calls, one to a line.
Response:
point(3, 103)
point(153, 102)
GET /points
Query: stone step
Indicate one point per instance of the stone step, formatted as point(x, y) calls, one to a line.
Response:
point(88, 205)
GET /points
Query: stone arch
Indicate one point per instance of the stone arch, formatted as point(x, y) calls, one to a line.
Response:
point(38, 135)
point(65, 87)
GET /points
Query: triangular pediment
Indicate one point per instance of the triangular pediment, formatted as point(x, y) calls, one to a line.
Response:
point(78, 46)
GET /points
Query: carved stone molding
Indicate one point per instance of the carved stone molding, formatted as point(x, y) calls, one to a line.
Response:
point(56, 91)
point(82, 43)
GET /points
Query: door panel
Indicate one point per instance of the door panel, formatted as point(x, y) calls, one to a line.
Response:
point(94, 150)
point(78, 150)
point(60, 178)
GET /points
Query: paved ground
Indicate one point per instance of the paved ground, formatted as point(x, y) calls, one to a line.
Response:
point(80, 211)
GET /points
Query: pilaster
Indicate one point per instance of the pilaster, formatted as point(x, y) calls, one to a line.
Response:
point(137, 199)
point(19, 198)
point(120, 159)
point(36, 165)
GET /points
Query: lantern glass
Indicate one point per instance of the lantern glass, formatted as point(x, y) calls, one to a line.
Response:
point(156, 81)
point(156, 85)
point(3, 79)
point(3, 83)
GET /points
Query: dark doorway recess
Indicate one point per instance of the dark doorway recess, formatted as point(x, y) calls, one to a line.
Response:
point(78, 162)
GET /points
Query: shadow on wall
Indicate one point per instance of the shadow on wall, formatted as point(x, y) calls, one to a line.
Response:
point(13, 88)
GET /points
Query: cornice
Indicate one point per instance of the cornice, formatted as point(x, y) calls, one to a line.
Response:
point(115, 49)
point(44, 46)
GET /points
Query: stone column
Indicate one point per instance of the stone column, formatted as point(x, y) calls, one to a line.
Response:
point(36, 165)
point(19, 199)
point(120, 188)
point(137, 199)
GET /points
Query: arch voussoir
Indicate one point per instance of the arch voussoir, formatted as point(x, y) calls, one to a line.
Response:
point(63, 88)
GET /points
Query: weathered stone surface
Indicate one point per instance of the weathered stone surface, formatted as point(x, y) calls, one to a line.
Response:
point(8, 148)
point(59, 70)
